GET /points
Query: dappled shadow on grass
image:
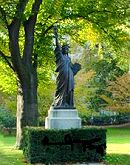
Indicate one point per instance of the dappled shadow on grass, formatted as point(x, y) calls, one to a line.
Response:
point(117, 159)
point(11, 157)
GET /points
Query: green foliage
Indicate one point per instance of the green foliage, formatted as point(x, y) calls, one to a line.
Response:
point(120, 89)
point(100, 65)
point(7, 79)
point(78, 19)
point(7, 119)
point(8, 101)
point(45, 100)
point(55, 146)
point(82, 93)
point(106, 70)
point(8, 88)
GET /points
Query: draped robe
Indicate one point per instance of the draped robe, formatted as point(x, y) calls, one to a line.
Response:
point(64, 81)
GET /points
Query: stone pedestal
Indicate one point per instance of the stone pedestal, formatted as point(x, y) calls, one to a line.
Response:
point(62, 119)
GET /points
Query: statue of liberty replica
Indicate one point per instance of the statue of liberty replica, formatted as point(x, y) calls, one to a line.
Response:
point(62, 114)
point(65, 78)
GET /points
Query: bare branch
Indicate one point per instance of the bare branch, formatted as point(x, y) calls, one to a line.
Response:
point(6, 60)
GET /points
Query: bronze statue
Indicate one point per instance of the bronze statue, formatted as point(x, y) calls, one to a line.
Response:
point(65, 79)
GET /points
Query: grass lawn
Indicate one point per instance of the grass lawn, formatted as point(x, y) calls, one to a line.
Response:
point(118, 140)
point(8, 154)
point(118, 148)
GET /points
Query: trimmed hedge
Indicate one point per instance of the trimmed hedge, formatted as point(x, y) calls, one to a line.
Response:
point(58, 146)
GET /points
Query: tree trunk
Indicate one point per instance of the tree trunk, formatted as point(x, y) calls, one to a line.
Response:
point(30, 102)
point(20, 105)
point(25, 67)
point(27, 108)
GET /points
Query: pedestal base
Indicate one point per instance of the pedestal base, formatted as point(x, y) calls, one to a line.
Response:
point(62, 119)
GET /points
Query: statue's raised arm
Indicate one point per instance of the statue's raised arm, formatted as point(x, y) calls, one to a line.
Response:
point(56, 37)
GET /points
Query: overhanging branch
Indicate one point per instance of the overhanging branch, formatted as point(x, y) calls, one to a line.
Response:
point(51, 26)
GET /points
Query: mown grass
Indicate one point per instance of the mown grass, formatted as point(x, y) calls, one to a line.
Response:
point(118, 149)
point(118, 135)
point(8, 154)
point(118, 146)
point(117, 159)
point(118, 140)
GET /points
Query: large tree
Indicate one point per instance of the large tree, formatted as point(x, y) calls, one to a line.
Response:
point(23, 64)
point(25, 25)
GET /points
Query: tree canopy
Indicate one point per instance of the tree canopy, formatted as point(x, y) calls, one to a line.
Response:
point(94, 20)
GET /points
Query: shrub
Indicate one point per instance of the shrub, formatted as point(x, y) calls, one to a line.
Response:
point(7, 119)
point(58, 146)
point(106, 120)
